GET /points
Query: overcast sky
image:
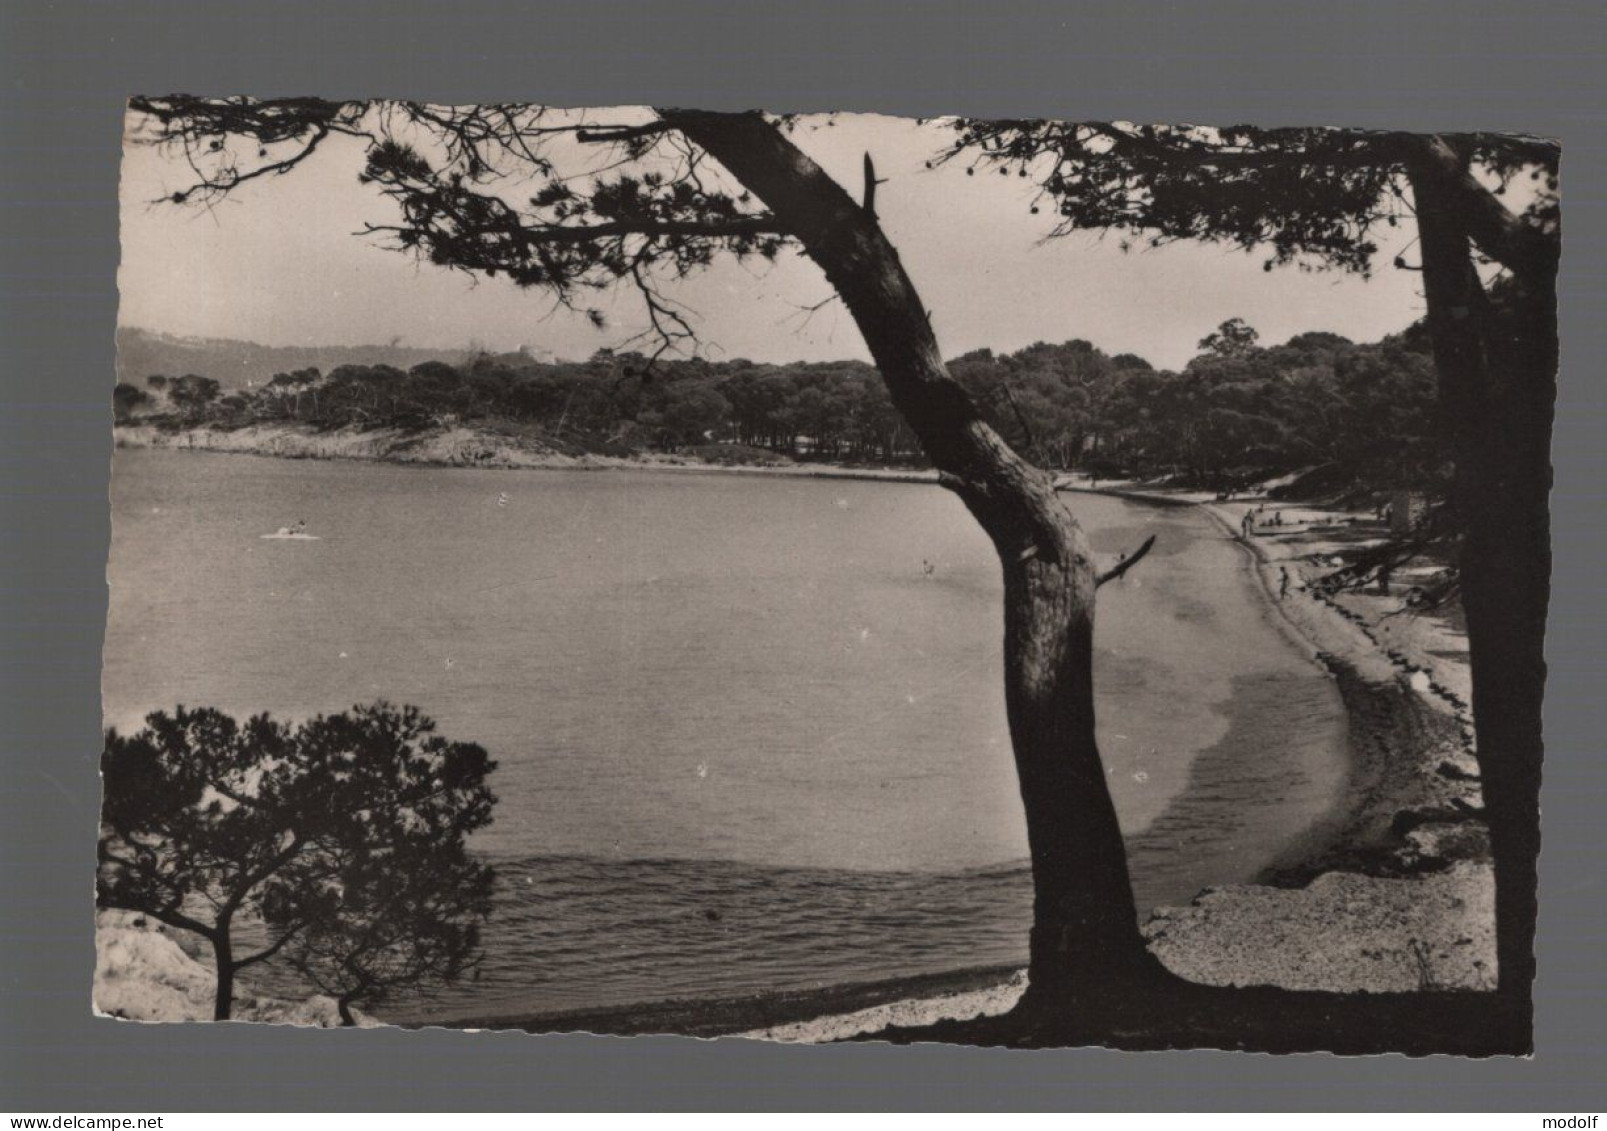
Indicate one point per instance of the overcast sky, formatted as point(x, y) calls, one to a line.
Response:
point(278, 264)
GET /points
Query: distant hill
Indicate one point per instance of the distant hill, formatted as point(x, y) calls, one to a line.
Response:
point(234, 365)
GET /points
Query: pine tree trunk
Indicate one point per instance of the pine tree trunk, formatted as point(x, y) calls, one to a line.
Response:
point(1497, 381)
point(1085, 937)
point(223, 959)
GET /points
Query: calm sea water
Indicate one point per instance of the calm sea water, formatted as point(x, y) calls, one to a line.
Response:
point(746, 741)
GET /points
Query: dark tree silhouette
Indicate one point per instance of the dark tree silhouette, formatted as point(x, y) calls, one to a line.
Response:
point(1314, 197)
point(193, 393)
point(397, 901)
point(127, 399)
point(1234, 338)
point(398, 917)
point(207, 822)
point(290, 386)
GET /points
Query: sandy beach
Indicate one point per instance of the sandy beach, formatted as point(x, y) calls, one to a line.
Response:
point(1398, 879)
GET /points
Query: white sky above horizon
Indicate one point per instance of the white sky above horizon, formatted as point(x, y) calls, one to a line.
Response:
point(278, 263)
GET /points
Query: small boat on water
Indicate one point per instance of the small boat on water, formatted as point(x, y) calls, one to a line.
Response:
point(296, 533)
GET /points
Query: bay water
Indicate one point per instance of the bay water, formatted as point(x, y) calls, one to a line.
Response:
point(750, 729)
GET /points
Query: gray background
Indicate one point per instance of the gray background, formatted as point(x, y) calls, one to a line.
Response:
point(67, 68)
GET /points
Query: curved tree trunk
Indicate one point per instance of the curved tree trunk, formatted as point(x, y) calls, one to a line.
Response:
point(1498, 392)
point(1085, 938)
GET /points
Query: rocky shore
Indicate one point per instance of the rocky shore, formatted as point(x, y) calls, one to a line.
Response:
point(478, 448)
point(142, 973)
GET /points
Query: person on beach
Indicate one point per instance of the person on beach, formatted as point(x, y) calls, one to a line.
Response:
point(1283, 583)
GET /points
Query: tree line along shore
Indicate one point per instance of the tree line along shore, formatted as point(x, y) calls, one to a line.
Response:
point(1360, 417)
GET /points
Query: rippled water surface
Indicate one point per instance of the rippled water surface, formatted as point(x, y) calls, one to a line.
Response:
point(746, 740)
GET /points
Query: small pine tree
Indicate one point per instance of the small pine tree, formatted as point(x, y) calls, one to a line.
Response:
point(345, 824)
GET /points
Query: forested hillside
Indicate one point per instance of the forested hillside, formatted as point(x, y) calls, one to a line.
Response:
point(1352, 414)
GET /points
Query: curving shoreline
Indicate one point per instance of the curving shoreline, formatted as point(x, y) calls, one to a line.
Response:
point(1385, 715)
point(1402, 821)
point(1394, 877)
